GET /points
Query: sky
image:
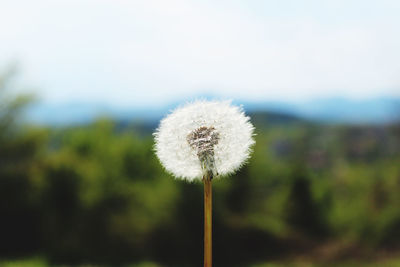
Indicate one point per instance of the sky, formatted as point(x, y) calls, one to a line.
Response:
point(152, 52)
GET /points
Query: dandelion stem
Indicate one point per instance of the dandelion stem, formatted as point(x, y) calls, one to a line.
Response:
point(207, 220)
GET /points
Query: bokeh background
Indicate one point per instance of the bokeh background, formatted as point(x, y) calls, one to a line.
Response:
point(83, 85)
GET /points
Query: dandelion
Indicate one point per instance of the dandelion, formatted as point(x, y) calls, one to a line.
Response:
point(201, 141)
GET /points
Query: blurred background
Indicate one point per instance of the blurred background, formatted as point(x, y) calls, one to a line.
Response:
point(83, 85)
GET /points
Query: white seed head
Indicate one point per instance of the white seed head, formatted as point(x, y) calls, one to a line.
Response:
point(204, 137)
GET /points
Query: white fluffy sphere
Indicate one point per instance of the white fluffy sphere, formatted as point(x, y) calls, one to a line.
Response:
point(233, 147)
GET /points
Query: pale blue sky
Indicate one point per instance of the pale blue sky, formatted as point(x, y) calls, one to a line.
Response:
point(153, 52)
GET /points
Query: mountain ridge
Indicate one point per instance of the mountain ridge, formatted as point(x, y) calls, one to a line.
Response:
point(329, 110)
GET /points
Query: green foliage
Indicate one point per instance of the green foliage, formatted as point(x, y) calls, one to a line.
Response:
point(97, 194)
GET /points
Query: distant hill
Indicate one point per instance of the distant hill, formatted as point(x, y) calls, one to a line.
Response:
point(273, 118)
point(331, 110)
point(336, 110)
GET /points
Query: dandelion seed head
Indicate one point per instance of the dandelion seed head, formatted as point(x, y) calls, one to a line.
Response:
point(204, 136)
